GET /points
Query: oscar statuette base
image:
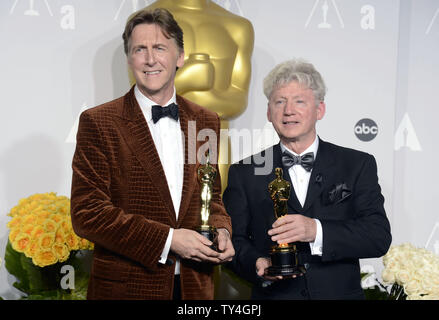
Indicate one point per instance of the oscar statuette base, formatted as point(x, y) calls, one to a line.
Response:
point(211, 234)
point(284, 262)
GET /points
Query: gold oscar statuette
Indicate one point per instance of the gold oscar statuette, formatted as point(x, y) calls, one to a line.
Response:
point(284, 256)
point(206, 177)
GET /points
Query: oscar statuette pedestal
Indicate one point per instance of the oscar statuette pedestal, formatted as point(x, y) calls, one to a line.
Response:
point(284, 256)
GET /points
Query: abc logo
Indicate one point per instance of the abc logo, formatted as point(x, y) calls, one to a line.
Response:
point(366, 129)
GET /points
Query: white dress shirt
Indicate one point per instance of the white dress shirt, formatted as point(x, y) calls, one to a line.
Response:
point(300, 179)
point(168, 140)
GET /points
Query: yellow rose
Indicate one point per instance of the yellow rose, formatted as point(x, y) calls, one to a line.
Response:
point(40, 221)
point(46, 240)
point(33, 205)
point(65, 209)
point(21, 242)
point(60, 237)
point(43, 214)
point(15, 222)
point(37, 232)
point(56, 217)
point(50, 225)
point(52, 196)
point(13, 234)
point(27, 229)
point(13, 212)
point(72, 241)
point(45, 257)
point(66, 225)
point(31, 249)
point(29, 219)
point(62, 252)
point(84, 244)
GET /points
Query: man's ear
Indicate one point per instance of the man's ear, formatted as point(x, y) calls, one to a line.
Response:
point(321, 110)
point(180, 59)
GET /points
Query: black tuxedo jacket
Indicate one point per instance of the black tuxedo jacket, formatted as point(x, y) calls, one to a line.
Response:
point(343, 194)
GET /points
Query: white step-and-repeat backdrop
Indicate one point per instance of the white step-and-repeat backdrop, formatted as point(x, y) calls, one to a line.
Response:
point(378, 58)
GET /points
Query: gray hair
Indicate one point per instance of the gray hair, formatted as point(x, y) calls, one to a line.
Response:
point(295, 70)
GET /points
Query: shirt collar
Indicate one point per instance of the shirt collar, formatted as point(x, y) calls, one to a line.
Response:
point(146, 104)
point(312, 148)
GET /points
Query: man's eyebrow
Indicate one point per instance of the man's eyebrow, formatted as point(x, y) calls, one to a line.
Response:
point(297, 96)
point(141, 46)
point(159, 44)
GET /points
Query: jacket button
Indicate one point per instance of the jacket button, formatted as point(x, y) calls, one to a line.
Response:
point(169, 262)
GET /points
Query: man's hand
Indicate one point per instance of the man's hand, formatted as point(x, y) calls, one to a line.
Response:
point(189, 244)
point(225, 246)
point(292, 228)
point(262, 264)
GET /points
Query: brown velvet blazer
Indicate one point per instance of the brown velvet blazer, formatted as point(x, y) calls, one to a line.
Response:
point(121, 202)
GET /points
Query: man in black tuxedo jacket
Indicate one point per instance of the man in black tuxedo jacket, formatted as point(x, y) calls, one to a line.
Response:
point(335, 210)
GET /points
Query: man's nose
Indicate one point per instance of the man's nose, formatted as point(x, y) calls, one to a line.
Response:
point(150, 57)
point(290, 108)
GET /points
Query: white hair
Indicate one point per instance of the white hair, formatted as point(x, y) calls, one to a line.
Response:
point(295, 70)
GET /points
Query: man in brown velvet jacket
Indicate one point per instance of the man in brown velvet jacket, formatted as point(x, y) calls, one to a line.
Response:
point(134, 189)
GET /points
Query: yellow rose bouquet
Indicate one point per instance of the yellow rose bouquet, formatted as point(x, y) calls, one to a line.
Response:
point(41, 242)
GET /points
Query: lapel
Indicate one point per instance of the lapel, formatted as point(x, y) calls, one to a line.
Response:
point(190, 143)
point(136, 133)
point(320, 174)
point(293, 202)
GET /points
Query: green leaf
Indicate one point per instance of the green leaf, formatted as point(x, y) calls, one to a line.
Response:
point(15, 268)
point(80, 291)
point(375, 293)
point(37, 283)
point(45, 295)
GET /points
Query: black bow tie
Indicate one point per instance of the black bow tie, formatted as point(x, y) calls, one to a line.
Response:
point(306, 161)
point(159, 112)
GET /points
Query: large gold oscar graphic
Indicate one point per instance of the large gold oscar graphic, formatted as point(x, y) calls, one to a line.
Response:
point(217, 69)
point(284, 261)
point(206, 177)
